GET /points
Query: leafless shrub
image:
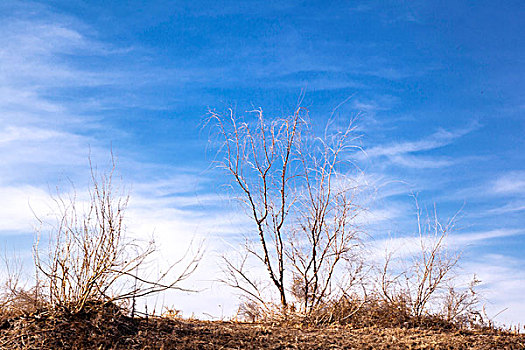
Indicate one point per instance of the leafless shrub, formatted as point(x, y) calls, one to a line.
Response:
point(16, 297)
point(250, 311)
point(294, 187)
point(89, 258)
point(420, 285)
point(461, 306)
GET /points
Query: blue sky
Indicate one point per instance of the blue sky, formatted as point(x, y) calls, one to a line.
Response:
point(438, 87)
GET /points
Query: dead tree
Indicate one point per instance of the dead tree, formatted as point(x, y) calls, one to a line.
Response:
point(302, 204)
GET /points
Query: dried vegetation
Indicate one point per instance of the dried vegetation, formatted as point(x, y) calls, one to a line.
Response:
point(105, 327)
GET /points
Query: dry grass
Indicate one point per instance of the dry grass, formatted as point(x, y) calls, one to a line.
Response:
point(105, 326)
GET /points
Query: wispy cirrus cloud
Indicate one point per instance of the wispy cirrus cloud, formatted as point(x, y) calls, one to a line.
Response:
point(438, 139)
point(408, 153)
point(49, 128)
point(511, 183)
point(421, 162)
point(512, 207)
point(36, 55)
point(19, 205)
point(43, 138)
point(406, 245)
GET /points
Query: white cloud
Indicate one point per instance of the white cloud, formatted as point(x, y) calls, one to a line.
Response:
point(439, 139)
point(368, 106)
point(404, 246)
point(19, 206)
point(42, 138)
point(36, 154)
point(512, 183)
point(420, 162)
point(482, 236)
point(33, 54)
point(373, 217)
point(512, 207)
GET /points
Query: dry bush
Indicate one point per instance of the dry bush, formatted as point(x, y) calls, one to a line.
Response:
point(250, 311)
point(99, 325)
point(364, 312)
point(462, 306)
point(19, 301)
point(16, 298)
point(426, 287)
point(342, 310)
point(373, 311)
point(89, 258)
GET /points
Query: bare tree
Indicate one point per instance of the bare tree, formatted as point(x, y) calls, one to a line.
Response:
point(294, 187)
point(89, 258)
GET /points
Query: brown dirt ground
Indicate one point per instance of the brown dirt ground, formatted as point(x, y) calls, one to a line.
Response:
point(43, 331)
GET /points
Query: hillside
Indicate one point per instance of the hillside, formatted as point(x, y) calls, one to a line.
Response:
point(110, 329)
